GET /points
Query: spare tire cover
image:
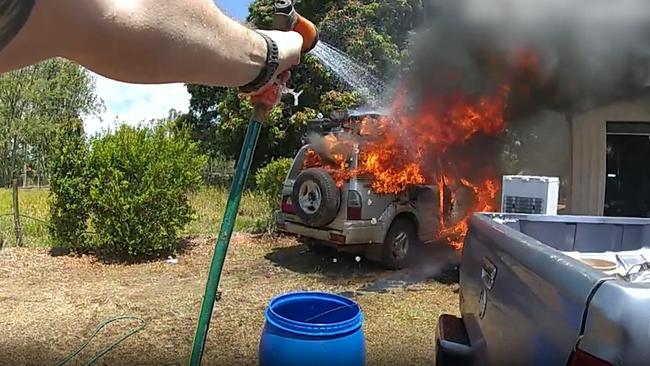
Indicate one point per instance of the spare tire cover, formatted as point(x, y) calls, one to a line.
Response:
point(316, 197)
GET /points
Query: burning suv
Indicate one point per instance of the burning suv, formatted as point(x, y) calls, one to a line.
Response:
point(326, 201)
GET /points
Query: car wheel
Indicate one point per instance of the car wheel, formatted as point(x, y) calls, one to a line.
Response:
point(316, 197)
point(399, 242)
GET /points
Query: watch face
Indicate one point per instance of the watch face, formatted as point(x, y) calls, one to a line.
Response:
point(482, 303)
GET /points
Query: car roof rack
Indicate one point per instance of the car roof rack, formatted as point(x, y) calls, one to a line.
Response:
point(338, 121)
point(323, 125)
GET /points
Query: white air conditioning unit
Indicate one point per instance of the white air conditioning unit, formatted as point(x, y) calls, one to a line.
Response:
point(530, 194)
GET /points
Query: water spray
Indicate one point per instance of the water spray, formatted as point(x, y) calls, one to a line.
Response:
point(286, 19)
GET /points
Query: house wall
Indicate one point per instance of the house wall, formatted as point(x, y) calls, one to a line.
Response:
point(588, 151)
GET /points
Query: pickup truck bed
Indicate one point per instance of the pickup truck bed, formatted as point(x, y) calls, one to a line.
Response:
point(528, 296)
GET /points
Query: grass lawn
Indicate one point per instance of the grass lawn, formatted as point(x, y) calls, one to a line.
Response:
point(32, 203)
point(209, 203)
point(51, 304)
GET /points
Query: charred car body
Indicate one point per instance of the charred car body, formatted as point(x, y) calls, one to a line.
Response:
point(350, 216)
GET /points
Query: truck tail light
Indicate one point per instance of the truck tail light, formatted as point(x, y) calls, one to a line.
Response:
point(287, 205)
point(581, 358)
point(354, 205)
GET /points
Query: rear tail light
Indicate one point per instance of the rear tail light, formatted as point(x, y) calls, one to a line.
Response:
point(354, 205)
point(581, 358)
point(287, 205)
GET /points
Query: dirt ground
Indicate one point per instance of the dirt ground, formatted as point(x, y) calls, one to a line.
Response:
point(50, 305)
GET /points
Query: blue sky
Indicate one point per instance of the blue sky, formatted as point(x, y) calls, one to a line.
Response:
point(133, 104)
point(235, 8)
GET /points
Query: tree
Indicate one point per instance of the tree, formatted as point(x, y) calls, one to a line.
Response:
point(69, 188)
point(376, 32)
point(34, 101)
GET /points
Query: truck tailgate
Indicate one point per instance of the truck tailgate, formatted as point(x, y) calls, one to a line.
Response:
point(617, 327)
point(522, 301)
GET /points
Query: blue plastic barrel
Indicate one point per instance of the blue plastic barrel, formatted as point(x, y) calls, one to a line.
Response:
point(313, 328)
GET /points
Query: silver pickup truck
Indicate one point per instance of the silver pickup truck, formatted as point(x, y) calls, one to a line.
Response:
point(551, 290)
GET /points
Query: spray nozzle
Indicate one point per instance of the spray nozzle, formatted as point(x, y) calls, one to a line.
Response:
point(286, 18)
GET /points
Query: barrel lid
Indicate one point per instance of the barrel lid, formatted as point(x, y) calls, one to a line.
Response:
point(313, 327)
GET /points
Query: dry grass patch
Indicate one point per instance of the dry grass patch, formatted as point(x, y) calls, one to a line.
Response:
point(51, 304)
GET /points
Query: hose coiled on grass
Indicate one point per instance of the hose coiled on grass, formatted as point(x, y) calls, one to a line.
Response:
point(104, 351)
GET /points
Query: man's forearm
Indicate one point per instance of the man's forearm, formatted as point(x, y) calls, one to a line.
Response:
point(141, 41)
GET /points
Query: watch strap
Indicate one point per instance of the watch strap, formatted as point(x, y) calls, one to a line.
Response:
point(271, 66)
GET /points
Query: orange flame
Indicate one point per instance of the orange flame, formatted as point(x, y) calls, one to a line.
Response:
point(337, 168)
point(484, 195)
point(396, 152)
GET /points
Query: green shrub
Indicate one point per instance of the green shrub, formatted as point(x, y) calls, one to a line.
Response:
point(271, 178)
point(140, 180)
point(68, 200)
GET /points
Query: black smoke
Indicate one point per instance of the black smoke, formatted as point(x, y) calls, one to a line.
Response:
point(589, 52)
point(559, 58)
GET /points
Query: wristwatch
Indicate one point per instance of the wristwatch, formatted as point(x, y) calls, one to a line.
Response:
point(271, 66)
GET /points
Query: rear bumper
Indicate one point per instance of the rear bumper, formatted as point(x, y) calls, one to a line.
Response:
point(452, 343)
point(350, 232)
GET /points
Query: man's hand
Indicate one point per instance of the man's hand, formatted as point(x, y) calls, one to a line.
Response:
point(270, 96)
point(289, 49)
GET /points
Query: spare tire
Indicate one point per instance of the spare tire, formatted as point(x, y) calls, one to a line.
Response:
point(316, 197)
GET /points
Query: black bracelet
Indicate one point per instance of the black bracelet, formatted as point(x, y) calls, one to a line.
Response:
point(271, 66)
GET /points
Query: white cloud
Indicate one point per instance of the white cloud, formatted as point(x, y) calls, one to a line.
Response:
point(134, 103)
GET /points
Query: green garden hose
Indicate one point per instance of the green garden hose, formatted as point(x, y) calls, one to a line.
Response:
point(285, 18)
point(110, 347)
point(227, 226)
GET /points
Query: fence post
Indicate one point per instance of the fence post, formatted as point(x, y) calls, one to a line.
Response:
point(16, 209)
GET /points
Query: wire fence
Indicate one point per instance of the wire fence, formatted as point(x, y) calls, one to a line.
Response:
point(33, 231)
